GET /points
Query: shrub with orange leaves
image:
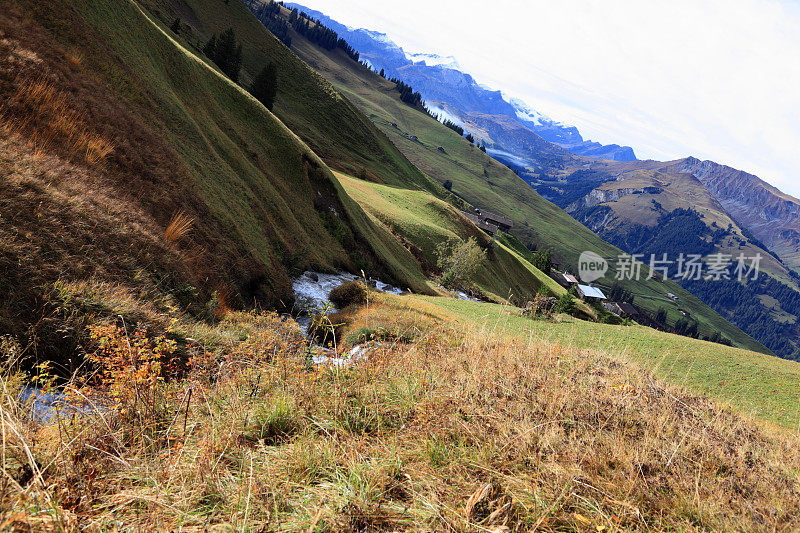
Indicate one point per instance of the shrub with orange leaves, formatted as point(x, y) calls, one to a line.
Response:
point(130, 375)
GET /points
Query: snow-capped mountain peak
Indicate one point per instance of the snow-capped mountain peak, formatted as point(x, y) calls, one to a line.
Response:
point(528, 114)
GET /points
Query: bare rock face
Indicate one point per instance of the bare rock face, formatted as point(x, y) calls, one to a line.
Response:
point(772, 216)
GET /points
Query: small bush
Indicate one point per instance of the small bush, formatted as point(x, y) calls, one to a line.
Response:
point(458, 261)
point(541, 306)
point(566, 304)
point(611, 319)
point(347, 294)
point(326, 329)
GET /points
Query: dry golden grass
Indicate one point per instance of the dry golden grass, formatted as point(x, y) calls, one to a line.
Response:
point(439, 428)
point(52, 108)
point(179, 225)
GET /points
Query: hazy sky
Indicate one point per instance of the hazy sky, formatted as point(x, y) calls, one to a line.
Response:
point(717, 79)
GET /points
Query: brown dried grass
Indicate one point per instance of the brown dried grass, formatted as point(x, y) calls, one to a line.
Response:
point(179, 226)
point(455, 430)
point(51, 117)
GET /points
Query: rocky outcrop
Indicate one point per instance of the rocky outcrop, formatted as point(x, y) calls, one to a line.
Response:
point(603, 196)
point(772, 216)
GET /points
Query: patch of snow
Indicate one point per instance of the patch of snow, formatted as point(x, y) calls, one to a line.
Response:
point(528, 114)
point(434, 60)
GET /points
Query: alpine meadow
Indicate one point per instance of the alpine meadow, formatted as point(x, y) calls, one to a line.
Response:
point(263, 269)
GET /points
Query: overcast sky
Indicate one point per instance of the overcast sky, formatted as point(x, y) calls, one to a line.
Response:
point(717, 79)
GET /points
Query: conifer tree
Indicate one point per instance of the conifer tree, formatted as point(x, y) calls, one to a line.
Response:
point(210, 49)
point(226, 53)
point(265, 86)
point(176, 26)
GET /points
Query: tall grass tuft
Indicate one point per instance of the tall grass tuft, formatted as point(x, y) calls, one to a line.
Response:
point(179, 226)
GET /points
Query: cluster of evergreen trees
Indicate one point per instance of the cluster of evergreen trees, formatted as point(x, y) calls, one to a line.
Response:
point(543, 260)
point(740, 303)
point(407, 93)
point(452, 125)
point(618, 293)
point(265, 86)
point(319, 34)
point(226, 52)
point(269, 15)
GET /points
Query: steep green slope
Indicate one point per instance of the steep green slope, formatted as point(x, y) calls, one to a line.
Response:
point(485, 183)
point(328, 123)
point(425, 221)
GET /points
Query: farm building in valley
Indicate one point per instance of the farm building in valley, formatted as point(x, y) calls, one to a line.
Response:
point(621, 309)
point(589, 293)
point(564, 279)
point(489, 222)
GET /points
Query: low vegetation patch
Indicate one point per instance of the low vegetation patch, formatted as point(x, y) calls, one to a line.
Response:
point(439, 427)
point(458, 261)
point(349, 294)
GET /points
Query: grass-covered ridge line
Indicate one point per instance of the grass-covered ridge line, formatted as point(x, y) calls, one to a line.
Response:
point(307, 103)
point(426, 221)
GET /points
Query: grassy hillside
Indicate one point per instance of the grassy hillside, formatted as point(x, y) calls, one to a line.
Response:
point(483, 182)
point(328, 123)
point(441, 427)
point(126, 157)
point(426, 222)
point(764, 386)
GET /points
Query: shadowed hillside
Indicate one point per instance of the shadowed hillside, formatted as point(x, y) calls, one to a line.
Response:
point(105, 148)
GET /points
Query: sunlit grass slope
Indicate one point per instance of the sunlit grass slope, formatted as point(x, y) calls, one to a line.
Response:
point(426, 222)
point(270, 198)
point(307, 103)
point(765, 386)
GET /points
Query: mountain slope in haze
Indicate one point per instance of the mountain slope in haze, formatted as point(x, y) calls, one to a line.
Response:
point(484, 182)
point(455, 94)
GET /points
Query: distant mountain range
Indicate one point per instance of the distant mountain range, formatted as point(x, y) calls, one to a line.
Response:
point(490, 115)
